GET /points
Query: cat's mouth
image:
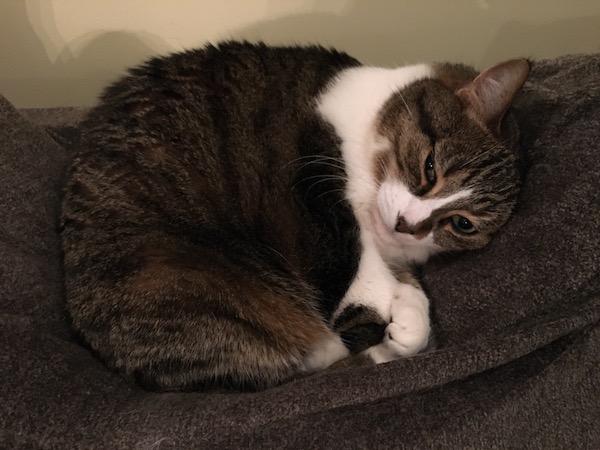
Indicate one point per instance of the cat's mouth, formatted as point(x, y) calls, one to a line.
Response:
point(398, 247)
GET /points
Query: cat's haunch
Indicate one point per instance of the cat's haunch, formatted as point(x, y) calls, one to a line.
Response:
point(242, 214)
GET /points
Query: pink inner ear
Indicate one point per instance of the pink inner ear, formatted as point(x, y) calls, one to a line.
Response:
point(492, 92)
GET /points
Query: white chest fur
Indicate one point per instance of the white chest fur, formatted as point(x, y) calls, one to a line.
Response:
point(352, 105)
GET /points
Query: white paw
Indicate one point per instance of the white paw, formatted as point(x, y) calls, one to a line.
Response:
point(408, 332)
point(409, 329)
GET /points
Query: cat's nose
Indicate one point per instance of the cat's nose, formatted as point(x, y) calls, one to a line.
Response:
point(403, 227)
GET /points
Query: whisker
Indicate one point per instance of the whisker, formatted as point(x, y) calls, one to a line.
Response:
point(360, 176)
point(323, 194)
point(315, 159)
point(325, 163)
point(343, 199)
point(316, 183)
point(412, 117)
point(268, 247)
point(476, 158)
point(323, 177)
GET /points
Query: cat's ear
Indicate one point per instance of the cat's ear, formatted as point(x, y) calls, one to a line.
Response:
point(492, 92)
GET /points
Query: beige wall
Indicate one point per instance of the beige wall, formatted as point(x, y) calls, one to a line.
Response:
point(60, 52)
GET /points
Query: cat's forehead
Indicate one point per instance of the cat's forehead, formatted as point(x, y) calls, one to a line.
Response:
point(426, 119)
point(426, 116)
point(426, 105)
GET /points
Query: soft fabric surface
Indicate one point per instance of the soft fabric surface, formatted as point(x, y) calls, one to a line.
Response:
point(517, 323)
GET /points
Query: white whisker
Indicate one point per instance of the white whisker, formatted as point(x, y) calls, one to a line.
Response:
point(412, 117)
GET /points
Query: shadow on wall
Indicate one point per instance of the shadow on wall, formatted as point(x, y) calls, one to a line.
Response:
point(399, 34)
point(406, 33)
point(546, 40)
point(78, 73)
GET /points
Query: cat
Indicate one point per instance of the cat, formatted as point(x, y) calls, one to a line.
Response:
point(241, 214)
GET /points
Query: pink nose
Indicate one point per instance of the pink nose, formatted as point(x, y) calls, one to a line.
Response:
point(403, 227)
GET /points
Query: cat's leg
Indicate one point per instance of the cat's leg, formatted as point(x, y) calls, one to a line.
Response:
point(365, 310)
point(371, 290)
point(387, 312)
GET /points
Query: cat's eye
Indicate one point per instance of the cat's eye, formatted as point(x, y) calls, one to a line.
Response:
point(430, 170)
point(462, 224)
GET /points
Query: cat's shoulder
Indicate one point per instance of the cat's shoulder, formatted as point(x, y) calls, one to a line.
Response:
point(365, 89)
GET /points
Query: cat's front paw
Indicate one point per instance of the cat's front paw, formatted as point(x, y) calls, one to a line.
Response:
point(408, 332)
point(409, 329)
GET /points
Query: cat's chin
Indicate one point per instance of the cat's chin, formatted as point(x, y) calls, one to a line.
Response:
point(400, 248)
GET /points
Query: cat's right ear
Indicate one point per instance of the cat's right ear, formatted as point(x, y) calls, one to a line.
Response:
point(492, 92)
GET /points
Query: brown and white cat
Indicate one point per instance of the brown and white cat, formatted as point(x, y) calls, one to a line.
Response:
point(242, 214)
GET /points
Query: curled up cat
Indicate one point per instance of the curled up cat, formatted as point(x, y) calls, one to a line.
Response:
point(242, 214)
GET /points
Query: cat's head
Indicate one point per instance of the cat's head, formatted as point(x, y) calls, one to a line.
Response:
point(447, 174)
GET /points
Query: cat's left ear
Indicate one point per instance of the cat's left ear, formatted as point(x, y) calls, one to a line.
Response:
point(492, 92)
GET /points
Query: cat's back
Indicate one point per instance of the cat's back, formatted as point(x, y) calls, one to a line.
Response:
point(215, 122)
point(205, 145)
point(228, 87)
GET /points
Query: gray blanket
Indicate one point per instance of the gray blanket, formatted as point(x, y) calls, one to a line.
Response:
point(517, 363)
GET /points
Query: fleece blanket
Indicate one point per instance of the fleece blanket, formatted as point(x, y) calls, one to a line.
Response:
point(517, 324)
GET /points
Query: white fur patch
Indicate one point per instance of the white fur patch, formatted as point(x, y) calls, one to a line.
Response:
point(373, 285)
point(395, 200)
point(328, 352)
point(351, 105)
point(408, 250)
